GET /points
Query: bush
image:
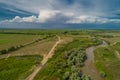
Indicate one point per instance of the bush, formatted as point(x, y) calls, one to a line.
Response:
point(11, 49)
point(66, 76)
point(103, 74)
point(86, 77)
point(3, 51)
point(76, 57)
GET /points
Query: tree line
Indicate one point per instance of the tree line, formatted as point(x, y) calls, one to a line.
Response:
point(14, 48)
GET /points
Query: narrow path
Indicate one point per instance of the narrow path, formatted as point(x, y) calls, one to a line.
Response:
point(117, 54)
point(8, 55)
point(89, 67)
point(43, 62)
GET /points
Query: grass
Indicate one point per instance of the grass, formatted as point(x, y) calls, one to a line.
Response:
point(8, 40)
point(109, 36)
point(54, 70)
point(38, 48)
point(106, 61)
point(16, 68)
point(117, 46)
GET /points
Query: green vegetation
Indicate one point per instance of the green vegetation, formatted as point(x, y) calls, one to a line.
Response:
point(69, 57)
point(9, 40)
point(17, 68)
point(74, 60)
point(14, 48)
point(117, 46)
point(107, 63)
point(38, 48)
point(66, 58)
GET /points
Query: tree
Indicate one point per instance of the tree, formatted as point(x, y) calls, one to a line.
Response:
point(3, 51)
point(11, 49)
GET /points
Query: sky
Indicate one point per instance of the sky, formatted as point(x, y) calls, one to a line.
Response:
point(59, 12)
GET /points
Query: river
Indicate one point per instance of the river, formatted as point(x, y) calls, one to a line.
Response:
point(89, 67)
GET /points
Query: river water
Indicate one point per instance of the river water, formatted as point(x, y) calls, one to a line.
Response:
point(89, 67)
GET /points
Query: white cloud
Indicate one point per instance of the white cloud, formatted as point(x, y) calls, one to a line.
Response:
point(92, 19)
point(42, 17)
point(80, 11)
point(24, 19)
point(46, 16)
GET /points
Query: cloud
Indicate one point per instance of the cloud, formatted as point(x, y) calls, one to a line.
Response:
point(47, 14)
point(19, 19)
point(93, 7)
point(43, 17)
point(59, 17)
point(92, 19)
point(67, 11)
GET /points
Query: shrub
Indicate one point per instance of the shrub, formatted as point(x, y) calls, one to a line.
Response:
point(86, 77)
point(3, 51)
point(103, 74)
point(66, 76)
point(11, 49)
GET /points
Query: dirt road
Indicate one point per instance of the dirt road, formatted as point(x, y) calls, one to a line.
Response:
point(43, 62)
point(89, 67)
point(117, 54)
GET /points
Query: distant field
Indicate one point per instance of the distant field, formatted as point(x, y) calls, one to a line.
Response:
point(110, 36)
point(113, 40)
point(48, 32)
point(17, 68)
point(8, 40)
point(38, 48)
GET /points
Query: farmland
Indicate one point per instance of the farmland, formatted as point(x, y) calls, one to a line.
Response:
point(38, 48)
point(8, 40)
point(59, 54)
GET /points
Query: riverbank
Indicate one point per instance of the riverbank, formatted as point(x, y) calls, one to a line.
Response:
point(89, 67)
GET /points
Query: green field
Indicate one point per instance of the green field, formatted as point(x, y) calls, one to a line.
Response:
point(106, 61)
point(69, 55)
point(17, 68)
point(38, 48)
point(8, 40)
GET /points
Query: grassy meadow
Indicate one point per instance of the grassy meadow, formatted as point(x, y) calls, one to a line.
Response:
point(38, 48)
point(8, 40)
point(69, 56)
point(106, 61)
point(17, 68)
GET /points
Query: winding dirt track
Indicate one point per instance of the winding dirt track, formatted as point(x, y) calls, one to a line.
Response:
point(43, 62)
point(89, 67)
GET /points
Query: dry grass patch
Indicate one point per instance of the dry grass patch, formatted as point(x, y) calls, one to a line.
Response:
point(38, 48)
point(8, 40)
